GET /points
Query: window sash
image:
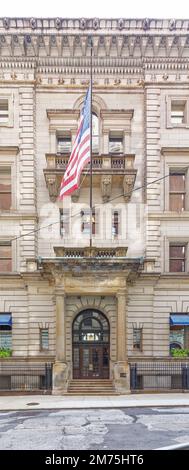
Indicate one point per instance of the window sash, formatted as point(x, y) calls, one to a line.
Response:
point(115, 145)
point(64, 222)
point(4, 110)
point(44, 339)
point(5, 188)
point(137, 339)
point(64, 144)
point(5, 257)
point(177, 258)
point(5, 338)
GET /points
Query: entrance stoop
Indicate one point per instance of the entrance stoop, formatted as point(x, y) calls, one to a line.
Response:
point(91, 387)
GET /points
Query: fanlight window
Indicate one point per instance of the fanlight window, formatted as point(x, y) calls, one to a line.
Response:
point(91, 326)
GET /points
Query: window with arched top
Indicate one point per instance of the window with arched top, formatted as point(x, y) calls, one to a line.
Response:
point(95, 133)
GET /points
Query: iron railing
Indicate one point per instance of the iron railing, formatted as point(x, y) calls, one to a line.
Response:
point(25, 377)
point(159, 376)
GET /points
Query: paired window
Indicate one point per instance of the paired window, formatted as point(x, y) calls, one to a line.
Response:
point(137, 339)
point(5, 331)
point(4, 110)
point(177, 257)
point(44, 339)
point(177, 190)
point(5, 188)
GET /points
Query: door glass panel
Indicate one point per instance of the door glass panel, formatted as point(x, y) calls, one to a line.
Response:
point(105, 358)
point(85, 357)
point(76, 357)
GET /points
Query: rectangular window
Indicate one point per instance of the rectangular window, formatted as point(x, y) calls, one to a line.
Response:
point(64, 144)
point(116, 144)
point(5, 257)
point(5, 331)
point(177, 190)
point(178, 112)
point(4, 110)
point(44, 339)
point(5, 188)
point(115, 223)
point(177, 258)
point(64, 222)
point(85, 222)
point(137, 339)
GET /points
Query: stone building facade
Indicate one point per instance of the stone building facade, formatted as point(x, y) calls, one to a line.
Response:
point(92, 311)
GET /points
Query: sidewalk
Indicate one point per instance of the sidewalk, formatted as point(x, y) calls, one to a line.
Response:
point(26, 402)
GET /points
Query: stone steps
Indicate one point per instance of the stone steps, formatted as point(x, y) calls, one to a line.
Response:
point(91, 387)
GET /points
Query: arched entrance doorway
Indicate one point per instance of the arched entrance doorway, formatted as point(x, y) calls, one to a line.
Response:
point(91, 345)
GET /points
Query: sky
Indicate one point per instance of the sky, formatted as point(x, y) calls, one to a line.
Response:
point(97, 8)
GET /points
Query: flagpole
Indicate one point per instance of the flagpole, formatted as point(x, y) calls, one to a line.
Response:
point(91, 150)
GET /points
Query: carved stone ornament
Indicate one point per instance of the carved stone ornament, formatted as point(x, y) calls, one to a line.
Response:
point(172, 25)
point(106, 187)
point(58, 23)
point(96, 23)
point(6, 23)
point(82, 23)
point(128, 185)
point(146, 24)
point(33, 23)
point(52, 186)
point(121, 23)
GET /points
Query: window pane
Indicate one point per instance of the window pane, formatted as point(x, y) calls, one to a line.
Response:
point(5, 339)
point(116, 145)
point(5, 188)
point(177, 202)
point(5, 251)
point(44, 338)
point(178, 112)
point(177, 251)
point(177, 265)
point(64, 222)
point(95, 133)
point(64, 144)
point(4, 109)
point(177, 182)
point(5, 265)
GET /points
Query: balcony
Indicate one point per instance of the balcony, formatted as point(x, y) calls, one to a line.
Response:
point(108, 171)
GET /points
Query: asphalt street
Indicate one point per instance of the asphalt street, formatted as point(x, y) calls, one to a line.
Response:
point(94, 429)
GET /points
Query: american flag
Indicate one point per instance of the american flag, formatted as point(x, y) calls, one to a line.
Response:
point(80, 154)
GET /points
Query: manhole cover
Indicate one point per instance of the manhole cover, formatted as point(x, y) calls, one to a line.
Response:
point(32, 403)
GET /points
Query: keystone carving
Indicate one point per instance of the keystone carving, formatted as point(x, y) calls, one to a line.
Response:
point(106, 187)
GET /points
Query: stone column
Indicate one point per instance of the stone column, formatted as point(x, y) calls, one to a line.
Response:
point(60, 326)
point(121, 367)
point(121, 325)
point(60, 369)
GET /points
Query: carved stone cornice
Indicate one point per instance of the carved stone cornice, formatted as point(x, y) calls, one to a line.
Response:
point(133, 43)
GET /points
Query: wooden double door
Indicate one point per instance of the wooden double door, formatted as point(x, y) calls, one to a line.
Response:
point(91, 361)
